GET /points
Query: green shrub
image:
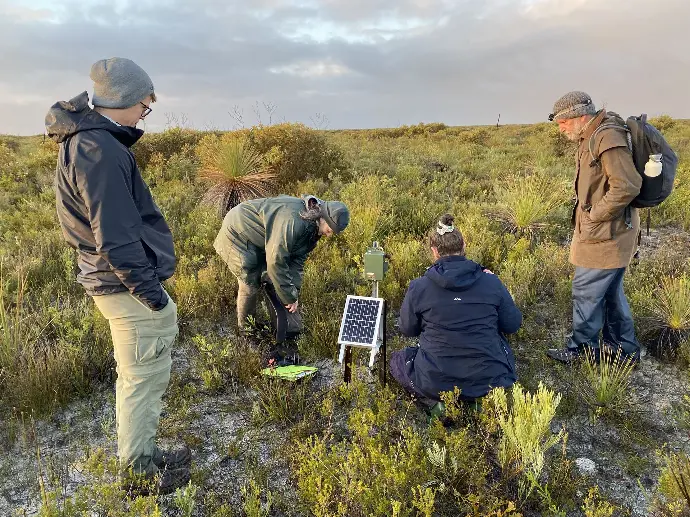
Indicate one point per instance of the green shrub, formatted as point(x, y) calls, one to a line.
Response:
point(663, 122)
point(485, 243)
point(329, 277)
point(167, 143)
point(295, 153)
point(420, 129)
point(674, 486)
point(368, 199)
point(526, 430)
point(181, 167)
point(280, 401)
point(539, 275)
point(100, 495)
point(408, 260)
point(595, 506)
point(48, 356)
point(380, 473)
point(223, 362)
point(253, 506)
point(674, 210)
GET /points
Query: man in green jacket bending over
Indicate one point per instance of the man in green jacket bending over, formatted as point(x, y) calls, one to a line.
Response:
point(275, 235)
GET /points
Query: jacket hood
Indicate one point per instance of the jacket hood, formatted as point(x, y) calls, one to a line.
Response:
point(454, 273)
point(67, 118)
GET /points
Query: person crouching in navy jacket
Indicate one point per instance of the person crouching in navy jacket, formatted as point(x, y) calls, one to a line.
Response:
point(461, 313)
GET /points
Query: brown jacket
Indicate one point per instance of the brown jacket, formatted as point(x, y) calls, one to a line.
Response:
point(602, 240)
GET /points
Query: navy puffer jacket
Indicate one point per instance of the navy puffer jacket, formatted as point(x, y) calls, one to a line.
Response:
point(460, 314)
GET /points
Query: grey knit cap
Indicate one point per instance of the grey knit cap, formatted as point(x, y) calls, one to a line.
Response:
point(119, 83)
point(573, 105)
point(336, 215)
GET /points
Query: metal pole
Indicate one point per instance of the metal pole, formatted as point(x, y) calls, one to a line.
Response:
point(383, 344)
point(348, 364)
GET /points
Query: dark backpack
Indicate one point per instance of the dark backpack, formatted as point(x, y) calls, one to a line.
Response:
point(643, 140)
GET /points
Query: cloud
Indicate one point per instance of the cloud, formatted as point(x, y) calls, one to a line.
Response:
point(362, 63)
point(312, 69)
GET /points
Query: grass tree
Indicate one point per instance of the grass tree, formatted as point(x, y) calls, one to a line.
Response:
point(605, 387)
point(669, 307)
point(235, 170)
point(525, 205)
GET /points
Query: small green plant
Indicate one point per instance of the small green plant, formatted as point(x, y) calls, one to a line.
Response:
point(605, 387)
point(279, 400)
point(222, 361)
point(251, 495)
point(681, 412)
point(595, 506)
point(185, 499)
point(674, 482)
point(235, 169)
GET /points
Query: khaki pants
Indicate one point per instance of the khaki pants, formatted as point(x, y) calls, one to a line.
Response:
point(142, 341)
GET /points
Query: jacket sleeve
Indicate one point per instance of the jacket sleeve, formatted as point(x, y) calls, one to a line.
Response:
point(297, 270)
point(509, 316)
point(278, 239)
point(104, 179)
point(410, 322)
point(624, 185)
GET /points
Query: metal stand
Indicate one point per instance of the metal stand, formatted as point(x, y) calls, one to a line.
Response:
point(382, 351)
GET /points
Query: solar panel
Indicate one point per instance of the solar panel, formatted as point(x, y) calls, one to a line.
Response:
point(361, 324)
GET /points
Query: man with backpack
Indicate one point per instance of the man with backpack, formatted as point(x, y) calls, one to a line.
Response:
point(606, 229)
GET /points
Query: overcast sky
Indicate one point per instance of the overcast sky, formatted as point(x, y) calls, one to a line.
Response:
point(350, 63)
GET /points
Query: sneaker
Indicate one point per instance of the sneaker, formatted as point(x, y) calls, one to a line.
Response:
point(162, 483)
point(172, 460)
point(563, 355)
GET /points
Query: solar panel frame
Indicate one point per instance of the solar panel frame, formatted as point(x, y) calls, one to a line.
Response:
point(374, 340)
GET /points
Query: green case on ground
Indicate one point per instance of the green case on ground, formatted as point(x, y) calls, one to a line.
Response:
point(289, 373)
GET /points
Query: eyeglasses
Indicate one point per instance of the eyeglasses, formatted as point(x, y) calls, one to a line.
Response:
point(147, 110)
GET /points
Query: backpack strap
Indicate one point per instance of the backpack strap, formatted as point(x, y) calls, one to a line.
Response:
point(596, 159)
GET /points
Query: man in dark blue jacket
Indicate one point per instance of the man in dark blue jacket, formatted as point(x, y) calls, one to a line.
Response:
point(125, 250)
point(460, 313)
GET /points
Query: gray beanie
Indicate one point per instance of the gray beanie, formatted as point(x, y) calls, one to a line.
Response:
point(119, 83)
point(336, 215)
point(573, 105)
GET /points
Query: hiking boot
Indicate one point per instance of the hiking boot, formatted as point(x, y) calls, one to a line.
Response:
point(162, 483)
point(280, 359)
point(564, 355)
point(172, 460)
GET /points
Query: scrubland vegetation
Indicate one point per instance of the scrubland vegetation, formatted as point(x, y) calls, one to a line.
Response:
point(322, 448)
